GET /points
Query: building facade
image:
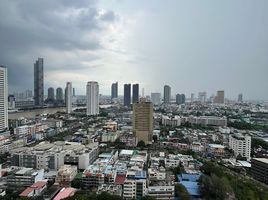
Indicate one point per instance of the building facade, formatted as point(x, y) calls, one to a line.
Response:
point(219, 98)
point(3, 99)
point(68, 97)
point(127, 95)
point(114, 91)
point(156, 98)
point(259, 169)
point(240, 144)
point(135, 93)
point(39, 82)
point(167, 94)
point(92, 98)
point(143, 121)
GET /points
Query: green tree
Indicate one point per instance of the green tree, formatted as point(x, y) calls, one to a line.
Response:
point(141, 144)
point(181, 192)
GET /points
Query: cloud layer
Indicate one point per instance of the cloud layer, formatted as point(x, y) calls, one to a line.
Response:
point(191, 45)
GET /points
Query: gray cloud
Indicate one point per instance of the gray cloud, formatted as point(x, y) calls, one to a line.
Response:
point(28, 28)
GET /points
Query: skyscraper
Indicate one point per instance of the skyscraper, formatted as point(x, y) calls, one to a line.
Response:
point(135, 93)
point(59, 94)
point(114, 91)
point(68, 97)
point(167, 94)
point(127, 95)
point(180, 99)
point(39, 82)
point(51, 94)
point(202, 97)
point(3, 99)
point(240, 98)
point(143, 120)
point(156, 98)
point(192, 97)
point(92, 98)
point(219, 98)
point(74, 92)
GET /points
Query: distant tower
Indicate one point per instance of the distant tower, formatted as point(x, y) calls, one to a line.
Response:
point(3, 99)
point(167, 94)
point(73, 92)
point(92, 98)
point(127, 96)
point(143, 120)
point(156, 98)
point(39, 82)
point(68, 97)
point(135, 93)
point(240, 98)
point(114, 91)
point(59, 94)
point(51, 94)
point(219, 98)
point(192, 97)
point(180, 99)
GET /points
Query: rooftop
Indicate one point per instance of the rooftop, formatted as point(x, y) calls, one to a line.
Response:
point(263, 160)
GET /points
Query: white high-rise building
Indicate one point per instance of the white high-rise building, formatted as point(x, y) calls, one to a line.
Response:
point(3, 99)
point(92, 98)
point(240, 144)
point(156, 98)
point(68, 96)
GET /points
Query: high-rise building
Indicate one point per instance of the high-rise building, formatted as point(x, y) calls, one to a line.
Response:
point(59, 94)
point(51, 94)
point(127, 95)
point(192, 97)
point(240, 98)
point(202, 97)
point(3, 99)
point(219, 98)
point(180, 99)
point(135, 93)
point(92, 98)
point(39, 82)
point(240, 144)
point(68, 95)
point(73, 92)
point(114, 91)
point(143, 120)
point(167, 94)
point(156, 98)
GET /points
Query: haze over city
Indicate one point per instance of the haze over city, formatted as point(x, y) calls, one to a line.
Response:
point(190, 45)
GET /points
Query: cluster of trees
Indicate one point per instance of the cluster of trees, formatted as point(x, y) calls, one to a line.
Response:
point(247, 126)
point(256, 143)
point(220, 183)
point(181, 192)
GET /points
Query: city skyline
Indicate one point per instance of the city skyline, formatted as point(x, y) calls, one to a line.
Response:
point(193, 47)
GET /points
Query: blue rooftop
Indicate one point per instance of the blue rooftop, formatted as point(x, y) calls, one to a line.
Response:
point(140, 175)
point(190, 182)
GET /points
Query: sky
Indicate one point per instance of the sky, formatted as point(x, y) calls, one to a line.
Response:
point(191, 45)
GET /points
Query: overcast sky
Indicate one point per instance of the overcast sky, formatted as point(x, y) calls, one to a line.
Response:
point(190, 45)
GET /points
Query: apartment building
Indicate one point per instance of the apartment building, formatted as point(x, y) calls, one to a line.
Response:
point(240, 144)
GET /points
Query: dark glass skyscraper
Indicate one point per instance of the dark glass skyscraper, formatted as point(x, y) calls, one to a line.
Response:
point(135, 93)
point(180, 99)
point(114, 91)
point(127, 95)
point(39, 82)
point(51, 94)
point(167, 94)
point(59, 95)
